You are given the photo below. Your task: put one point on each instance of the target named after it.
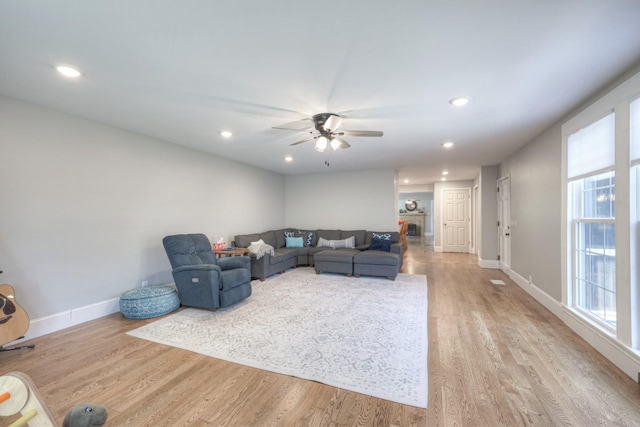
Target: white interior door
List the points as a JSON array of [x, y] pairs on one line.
[[504, 223], [455, 220]]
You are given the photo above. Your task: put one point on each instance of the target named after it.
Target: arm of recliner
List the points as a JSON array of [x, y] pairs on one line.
[[198, 267], [231, 263]]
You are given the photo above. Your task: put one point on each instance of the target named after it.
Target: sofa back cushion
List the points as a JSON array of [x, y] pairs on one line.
[[281, 236], [269, 238], [244, 240], [326, 235], [360, 235]]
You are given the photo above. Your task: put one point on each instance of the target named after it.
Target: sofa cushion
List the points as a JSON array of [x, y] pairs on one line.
[[326, 235], [360, 236], [376, 257], [338, 256], [281, 236], [283, 254], [244, 240], [269, 238]]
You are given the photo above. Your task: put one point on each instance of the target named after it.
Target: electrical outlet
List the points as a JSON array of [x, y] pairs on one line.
[[145, 283], [530, 279]]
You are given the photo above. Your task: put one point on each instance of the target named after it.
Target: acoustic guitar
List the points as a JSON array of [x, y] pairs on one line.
[[14, 321]]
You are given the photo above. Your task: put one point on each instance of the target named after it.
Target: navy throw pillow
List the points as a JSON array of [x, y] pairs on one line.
[[378, 244]]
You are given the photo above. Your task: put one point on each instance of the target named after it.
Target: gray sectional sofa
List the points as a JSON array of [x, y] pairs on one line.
[[374, 262]]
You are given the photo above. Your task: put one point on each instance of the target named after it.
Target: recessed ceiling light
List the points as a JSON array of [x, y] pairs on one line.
[[288, 159], [406, 181], [459, 102], [226, 134], [443, 179], [448, 144], [445, 172], [68, 71]]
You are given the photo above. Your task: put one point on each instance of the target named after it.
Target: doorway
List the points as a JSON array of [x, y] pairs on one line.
[[504, 224], [455, 215]]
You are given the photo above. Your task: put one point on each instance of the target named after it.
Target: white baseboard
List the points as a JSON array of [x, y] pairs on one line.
[[489, 263], [625, 358], [56, 322], [437, 249], [538, 294]]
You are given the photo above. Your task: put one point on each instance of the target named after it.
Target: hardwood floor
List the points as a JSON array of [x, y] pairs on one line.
[[496, 358]]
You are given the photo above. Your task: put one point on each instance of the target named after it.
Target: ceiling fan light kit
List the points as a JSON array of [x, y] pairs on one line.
[[321, 144], [326, 133]]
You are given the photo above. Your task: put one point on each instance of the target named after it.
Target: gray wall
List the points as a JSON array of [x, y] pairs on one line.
[[488, 237], [535, 207], [84, 207], [536, 201], [346, 200]]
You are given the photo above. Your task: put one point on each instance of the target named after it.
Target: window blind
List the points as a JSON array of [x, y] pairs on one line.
[[591, 149]]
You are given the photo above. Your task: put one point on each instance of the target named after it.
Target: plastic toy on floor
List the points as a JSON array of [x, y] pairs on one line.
[[21, 402], [85, 415]]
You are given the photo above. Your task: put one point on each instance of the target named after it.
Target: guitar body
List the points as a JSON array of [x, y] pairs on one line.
[[14, 321]]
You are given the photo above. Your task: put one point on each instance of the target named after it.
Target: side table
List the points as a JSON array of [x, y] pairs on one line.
[[234, 252]]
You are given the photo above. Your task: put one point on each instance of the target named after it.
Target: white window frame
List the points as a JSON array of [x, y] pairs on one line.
[[574, 266], [626, 333]]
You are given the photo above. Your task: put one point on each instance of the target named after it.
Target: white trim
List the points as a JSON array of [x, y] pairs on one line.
[[538, 294], [65, 319], [620, 355], [489, 263], [437, 249], [617, 352]]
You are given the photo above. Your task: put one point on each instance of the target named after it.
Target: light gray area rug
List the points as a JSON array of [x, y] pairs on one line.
[[367, 335]]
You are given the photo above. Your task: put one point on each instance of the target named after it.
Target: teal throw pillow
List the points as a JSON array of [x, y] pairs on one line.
[[294, 242]]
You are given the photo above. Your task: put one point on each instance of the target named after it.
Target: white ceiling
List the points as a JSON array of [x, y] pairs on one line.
[[182, 71]]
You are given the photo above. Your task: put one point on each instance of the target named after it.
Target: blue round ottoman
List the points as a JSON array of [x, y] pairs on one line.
[[150, 301]]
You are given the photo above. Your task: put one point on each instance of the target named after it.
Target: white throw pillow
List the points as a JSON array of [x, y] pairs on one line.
[[323, 243], [348, 243]]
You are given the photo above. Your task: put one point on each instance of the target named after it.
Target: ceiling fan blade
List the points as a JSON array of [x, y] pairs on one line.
[[332, 123], [283, 128], [305, 140], [343, 143], [361, 133], [298, 125]]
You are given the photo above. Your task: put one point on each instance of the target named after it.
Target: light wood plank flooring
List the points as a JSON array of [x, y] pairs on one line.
[[496, 358]]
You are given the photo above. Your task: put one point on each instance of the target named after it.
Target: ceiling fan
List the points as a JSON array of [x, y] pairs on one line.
[[326, 133]]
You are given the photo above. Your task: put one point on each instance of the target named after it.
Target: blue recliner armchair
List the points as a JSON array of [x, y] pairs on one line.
[[203, 280]]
